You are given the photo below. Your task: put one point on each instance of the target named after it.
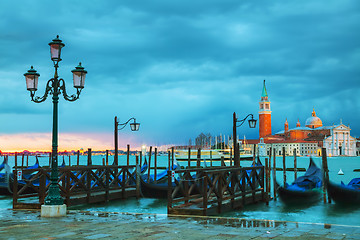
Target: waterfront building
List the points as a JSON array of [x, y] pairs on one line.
[[307, 140]]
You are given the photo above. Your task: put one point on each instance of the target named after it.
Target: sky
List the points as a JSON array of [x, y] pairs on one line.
[[179, 67]]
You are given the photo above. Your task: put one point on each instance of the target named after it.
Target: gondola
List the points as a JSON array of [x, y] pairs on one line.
[[4, 178], [345, 194], [25, 179], [156, 190], [305, 189]]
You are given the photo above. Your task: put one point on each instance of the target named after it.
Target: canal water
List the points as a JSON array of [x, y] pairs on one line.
[[276, 210]]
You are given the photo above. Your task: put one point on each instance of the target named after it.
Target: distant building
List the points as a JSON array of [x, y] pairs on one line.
[[306, 140]]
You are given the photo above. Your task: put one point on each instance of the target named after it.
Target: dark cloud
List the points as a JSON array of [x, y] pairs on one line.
[[182, 67]]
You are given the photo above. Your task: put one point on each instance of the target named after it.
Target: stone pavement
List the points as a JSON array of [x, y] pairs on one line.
[[24, 224]]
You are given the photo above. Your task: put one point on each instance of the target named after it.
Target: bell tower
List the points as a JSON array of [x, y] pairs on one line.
[[264, 114]]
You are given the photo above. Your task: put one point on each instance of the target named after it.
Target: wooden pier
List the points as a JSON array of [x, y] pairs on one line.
[[78, 185], [210, 191]]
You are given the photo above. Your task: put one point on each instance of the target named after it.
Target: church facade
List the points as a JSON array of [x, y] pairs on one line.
[[306, 140]]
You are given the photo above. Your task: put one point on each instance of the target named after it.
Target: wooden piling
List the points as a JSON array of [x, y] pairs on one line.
[[267, 180], [78, 158], [107, 157], [269, 175], [189, 157], [103, 161], [198, 158], [27, 160], [22, 160], [254, 152], [89, 162], [155, 165], [128, 156], [211, 162], [230, 156], [325, 173], [274, 173], [69, 160], [149, 165], [137, 177], [295, 164], [140, 158], [169, 159], [284, 165], [50, 159]]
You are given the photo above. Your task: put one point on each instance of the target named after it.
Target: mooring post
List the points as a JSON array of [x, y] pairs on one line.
[[155, 165], [78, 158], [50, 159], [107, 157], [15, 185], [22, 160], [269, 174], [140, 158], [103, 161], [274, 173], [169, 160], [89, 163], [149, 168], [325, 173], [295, 164], [267, 182], [137, 177], [27, 160], [254, 152], [128, 155], [231, 157], [189, 158], [211, 158], [284, 166], [69, 160], [198, 158]]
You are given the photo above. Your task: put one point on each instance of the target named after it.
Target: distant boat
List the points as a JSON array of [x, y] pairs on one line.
[[208, 154], [340, 172]]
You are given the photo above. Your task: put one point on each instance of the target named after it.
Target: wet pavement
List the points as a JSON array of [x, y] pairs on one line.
[[24, 224]]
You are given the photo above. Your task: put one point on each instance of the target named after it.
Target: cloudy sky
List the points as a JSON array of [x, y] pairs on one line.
[[179, 67]]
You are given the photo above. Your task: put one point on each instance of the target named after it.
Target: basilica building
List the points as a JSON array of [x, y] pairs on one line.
[[303, 140]]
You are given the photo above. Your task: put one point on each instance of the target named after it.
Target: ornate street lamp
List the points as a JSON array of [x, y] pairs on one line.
[[54, 87], [134, 126], [252, 124]]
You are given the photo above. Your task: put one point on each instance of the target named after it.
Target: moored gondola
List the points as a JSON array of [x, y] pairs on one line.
[[345, 194], [305, 189]]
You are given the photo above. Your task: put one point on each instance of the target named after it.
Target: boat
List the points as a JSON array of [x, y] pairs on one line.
[[4, 177], [25, 179], [209, 154], [305, 189], [344, 194], [158, 189]]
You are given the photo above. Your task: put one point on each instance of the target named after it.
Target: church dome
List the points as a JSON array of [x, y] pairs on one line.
[[313, 121]]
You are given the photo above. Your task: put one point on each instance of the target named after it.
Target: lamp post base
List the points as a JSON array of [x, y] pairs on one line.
[[53, 210]]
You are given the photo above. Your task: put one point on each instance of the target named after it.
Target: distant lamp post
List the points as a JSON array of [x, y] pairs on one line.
[[55, 86], [134, 126], [252, 124]]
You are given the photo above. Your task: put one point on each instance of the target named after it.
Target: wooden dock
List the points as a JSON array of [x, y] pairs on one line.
[[210, 191], [78, 185]]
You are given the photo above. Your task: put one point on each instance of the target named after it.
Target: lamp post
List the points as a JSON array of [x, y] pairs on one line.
[[55, 86], [252, 124], [134, 126]]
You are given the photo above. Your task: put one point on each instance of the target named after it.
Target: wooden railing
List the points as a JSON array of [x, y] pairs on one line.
[[78, 184], [215, 188]]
